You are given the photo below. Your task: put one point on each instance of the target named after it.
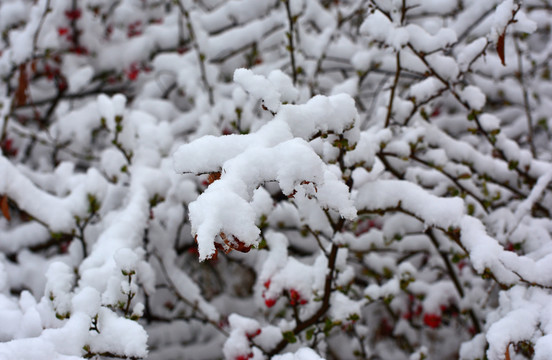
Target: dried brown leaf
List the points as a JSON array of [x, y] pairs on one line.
[[5, 208], [500, 47], [22, 85]]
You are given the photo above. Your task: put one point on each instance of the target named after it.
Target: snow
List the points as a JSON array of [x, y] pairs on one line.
[[378, 26], [383, 194], [12, 12], [164, 150], [260, 87], [473, 96], [342, 308], [86, 301], [423, 41], [119, 335], [30, 349], [301, 354]]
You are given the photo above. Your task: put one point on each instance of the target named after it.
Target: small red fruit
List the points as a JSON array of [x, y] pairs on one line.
[[270, 302], [267, 284], [245, 357], [7, 147], [253, 334], [73, 14], [132, 72], [432, 320], [295, 298]]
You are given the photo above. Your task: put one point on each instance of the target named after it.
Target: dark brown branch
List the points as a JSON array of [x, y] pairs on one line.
[[393, 89], [302, 325], [291, 45]]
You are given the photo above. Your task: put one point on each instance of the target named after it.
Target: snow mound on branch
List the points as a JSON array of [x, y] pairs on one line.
[[278, 151]]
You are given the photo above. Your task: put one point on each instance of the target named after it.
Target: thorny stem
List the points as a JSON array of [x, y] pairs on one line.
[[381, 155], [83, 94], [302, 325], [130, 296], [291, 46], [453, 276], [47, 9], [454, 179], [480, 128], [107, 354], [200, 54], [451, 233], [337, 227], [393, 89], [526, 104], [182, 298]]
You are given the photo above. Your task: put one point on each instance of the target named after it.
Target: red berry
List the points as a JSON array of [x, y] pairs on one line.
[[79, 50], [245, 357], [73, 14], [253, 334], [132, 72], [432, 320], [63, 31], [295, 298], [267, 284], [270, 302], [7, 147]]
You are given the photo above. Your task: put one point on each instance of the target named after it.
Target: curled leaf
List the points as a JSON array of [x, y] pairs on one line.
[[5, 208]]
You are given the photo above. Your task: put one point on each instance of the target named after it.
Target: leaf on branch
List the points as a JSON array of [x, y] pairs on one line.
[[507, 353], [213, 177], [5, 208]]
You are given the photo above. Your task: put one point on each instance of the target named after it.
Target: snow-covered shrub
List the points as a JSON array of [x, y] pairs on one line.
[[286, 179]]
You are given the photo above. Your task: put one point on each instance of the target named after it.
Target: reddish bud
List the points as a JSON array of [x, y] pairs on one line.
[[134, 29], [270, 302], [245, 357], [432, 320], [63, 31], [295, 298], [253, 334], [64, 247], [132, 72], [73, 14], [79, 50], [7, 147], [62, 85]]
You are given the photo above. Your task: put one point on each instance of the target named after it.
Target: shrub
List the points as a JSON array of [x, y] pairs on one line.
[[294, 179]]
